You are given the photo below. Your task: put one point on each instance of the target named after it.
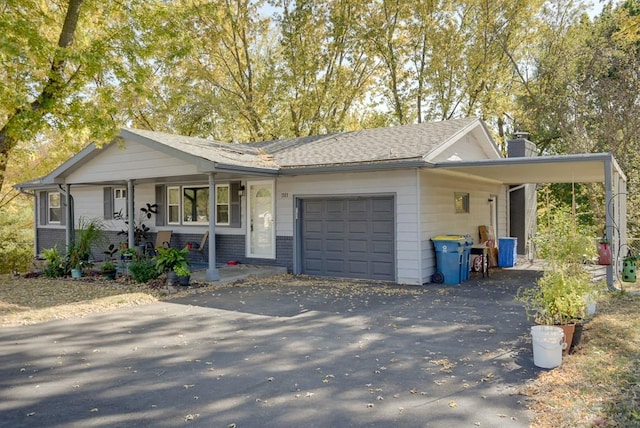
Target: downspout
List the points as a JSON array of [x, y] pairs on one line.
[[212, 272], [69, 229], [131, 237], [421, 278]]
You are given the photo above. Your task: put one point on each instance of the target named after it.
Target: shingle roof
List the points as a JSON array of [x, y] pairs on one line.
[[226, 153], [369, 145], [407, 142]]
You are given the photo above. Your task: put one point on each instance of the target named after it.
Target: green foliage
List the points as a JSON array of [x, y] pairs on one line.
[[182, 271], [169, 259], [108, 266], [143, 270], [560, 295], [89, 232], [16, 238], [56, 264], [562, 240], [140, 229]]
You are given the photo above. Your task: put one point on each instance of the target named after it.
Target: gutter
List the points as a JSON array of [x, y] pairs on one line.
[[354, 167]]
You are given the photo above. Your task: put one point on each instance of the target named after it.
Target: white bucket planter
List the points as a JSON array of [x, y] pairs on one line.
[[548, 343], [591, 305]]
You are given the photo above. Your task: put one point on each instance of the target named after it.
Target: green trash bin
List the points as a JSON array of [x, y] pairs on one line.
[[449, 259]]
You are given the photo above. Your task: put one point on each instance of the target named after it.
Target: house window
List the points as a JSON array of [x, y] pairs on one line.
[[189, 205], [222, 204], [53, 208], [461, 202], [120, 201], [173, 205], [195, 205]]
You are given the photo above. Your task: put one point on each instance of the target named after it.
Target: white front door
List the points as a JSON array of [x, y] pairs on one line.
[[261, 236]]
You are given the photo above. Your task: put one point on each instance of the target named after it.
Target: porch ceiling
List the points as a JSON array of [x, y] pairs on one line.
[[584, 168]]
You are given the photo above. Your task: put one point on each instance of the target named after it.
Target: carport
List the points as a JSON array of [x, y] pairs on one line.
[[577, 168]]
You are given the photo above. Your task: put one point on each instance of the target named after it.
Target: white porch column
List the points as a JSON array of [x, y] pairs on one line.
[[69, 216], [131, 215], [608, 223], [212, 272]]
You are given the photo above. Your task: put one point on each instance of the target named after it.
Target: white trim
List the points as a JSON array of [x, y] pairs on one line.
[[227, 204], [50, 206], [272, 220], [196, 222], [169, 205]]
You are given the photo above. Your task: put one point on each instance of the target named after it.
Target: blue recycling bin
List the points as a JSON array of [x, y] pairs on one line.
[[507, 248], [449, 256]]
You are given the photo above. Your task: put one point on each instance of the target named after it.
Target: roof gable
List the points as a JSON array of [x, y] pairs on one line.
[[407, 142], [407, 145]]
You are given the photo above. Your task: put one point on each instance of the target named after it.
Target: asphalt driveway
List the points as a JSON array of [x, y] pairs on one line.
[[280, 355]]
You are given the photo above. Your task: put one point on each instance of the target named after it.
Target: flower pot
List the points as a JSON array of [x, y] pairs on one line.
[[109, 274], [76, 273], [569, 330], [577, 336], [172, 278], [184, 280], [629, 270]]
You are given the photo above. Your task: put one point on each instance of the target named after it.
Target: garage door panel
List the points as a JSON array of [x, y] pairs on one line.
[[383, 269], [335, 266], [382, 247], [313, 227], [358, 226], [381, 205], [313, 244], [335, 245], [358, 267], [335, 226], [349, 237], [358, 246], [382, 227]]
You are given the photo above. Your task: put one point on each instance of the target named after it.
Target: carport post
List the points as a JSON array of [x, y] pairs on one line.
[[608, 192], [212, 272]]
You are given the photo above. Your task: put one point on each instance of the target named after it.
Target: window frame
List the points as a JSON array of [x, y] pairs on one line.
[[179, 205], [461, 202], [227, 204], [182, 197], [50, 206]]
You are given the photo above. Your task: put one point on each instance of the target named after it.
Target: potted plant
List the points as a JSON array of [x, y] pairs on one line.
[[75, 262], [184, 275], [168, 259], [560, 296], [108, 270], [629, 268]]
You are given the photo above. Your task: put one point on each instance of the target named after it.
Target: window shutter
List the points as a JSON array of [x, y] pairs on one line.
[[160, 200], [42, 208], [234, 204], [108, 203]]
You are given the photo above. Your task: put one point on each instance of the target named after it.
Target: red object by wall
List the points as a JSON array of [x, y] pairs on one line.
[[604, 253]]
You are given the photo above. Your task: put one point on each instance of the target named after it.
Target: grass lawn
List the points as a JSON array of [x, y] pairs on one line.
[[597, 386]]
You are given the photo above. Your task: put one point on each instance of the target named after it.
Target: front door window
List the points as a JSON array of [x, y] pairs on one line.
[[261, 234]]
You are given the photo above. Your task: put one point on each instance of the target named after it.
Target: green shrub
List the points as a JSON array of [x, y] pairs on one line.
[[56, 264], [143, 270], [16, 238], [15, 257]]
